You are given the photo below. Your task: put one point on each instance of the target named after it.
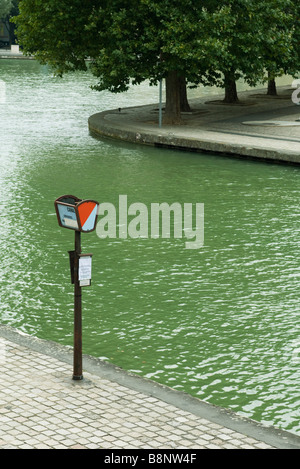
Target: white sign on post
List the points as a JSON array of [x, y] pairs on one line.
[[85, 270], [68, 216]]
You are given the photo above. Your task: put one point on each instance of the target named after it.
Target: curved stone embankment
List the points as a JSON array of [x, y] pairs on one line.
[[259, 128]]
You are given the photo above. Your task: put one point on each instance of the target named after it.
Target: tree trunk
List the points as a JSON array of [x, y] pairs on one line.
[[184, 104], [11, 31], [272, 91], [172, 112], [230, 89]]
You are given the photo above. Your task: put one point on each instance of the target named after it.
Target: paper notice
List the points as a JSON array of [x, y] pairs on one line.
[[85, 268]]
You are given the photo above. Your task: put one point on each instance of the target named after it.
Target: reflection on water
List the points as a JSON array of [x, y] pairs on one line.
[[222, 322]]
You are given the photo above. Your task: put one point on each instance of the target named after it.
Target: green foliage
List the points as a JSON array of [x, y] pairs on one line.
[[151, 38], [55, 32], [130, 41], [254, 34], [5, 8]]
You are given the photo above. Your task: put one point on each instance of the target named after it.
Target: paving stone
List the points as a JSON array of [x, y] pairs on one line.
[[56, 412]]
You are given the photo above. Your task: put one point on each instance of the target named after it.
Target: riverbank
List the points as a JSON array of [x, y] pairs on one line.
[[11, 54], [259, 127], [43, 408]]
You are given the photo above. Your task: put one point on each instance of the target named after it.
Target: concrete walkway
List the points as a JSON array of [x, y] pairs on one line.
[[41, 407], [260, 127], [13, 54]]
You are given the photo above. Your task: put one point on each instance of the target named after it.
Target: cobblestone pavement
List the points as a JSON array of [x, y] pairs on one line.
[[41, 407]]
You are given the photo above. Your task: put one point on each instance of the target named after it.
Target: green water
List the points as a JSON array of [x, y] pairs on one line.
[[220, 322]]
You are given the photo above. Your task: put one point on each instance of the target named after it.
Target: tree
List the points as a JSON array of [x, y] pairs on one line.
[[55, 32], [154, 40], [5, 7], [283, 60], [253, 33], [128, 42], [8, 9], [195, 41]]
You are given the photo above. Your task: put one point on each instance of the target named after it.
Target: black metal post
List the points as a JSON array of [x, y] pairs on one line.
[[77, 364]]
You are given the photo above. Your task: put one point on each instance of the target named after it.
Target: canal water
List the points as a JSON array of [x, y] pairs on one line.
[[220, 322]]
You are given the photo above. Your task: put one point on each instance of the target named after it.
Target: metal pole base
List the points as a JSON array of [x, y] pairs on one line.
[[77, 377]]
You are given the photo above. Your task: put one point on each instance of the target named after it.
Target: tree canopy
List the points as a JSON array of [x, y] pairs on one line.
[[196, 41], [9, 8], [5, 7], [256, 36]]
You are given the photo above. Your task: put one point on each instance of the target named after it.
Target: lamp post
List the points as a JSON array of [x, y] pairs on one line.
[[77, 362], [295, 97], [81, 216], [160, 105]]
